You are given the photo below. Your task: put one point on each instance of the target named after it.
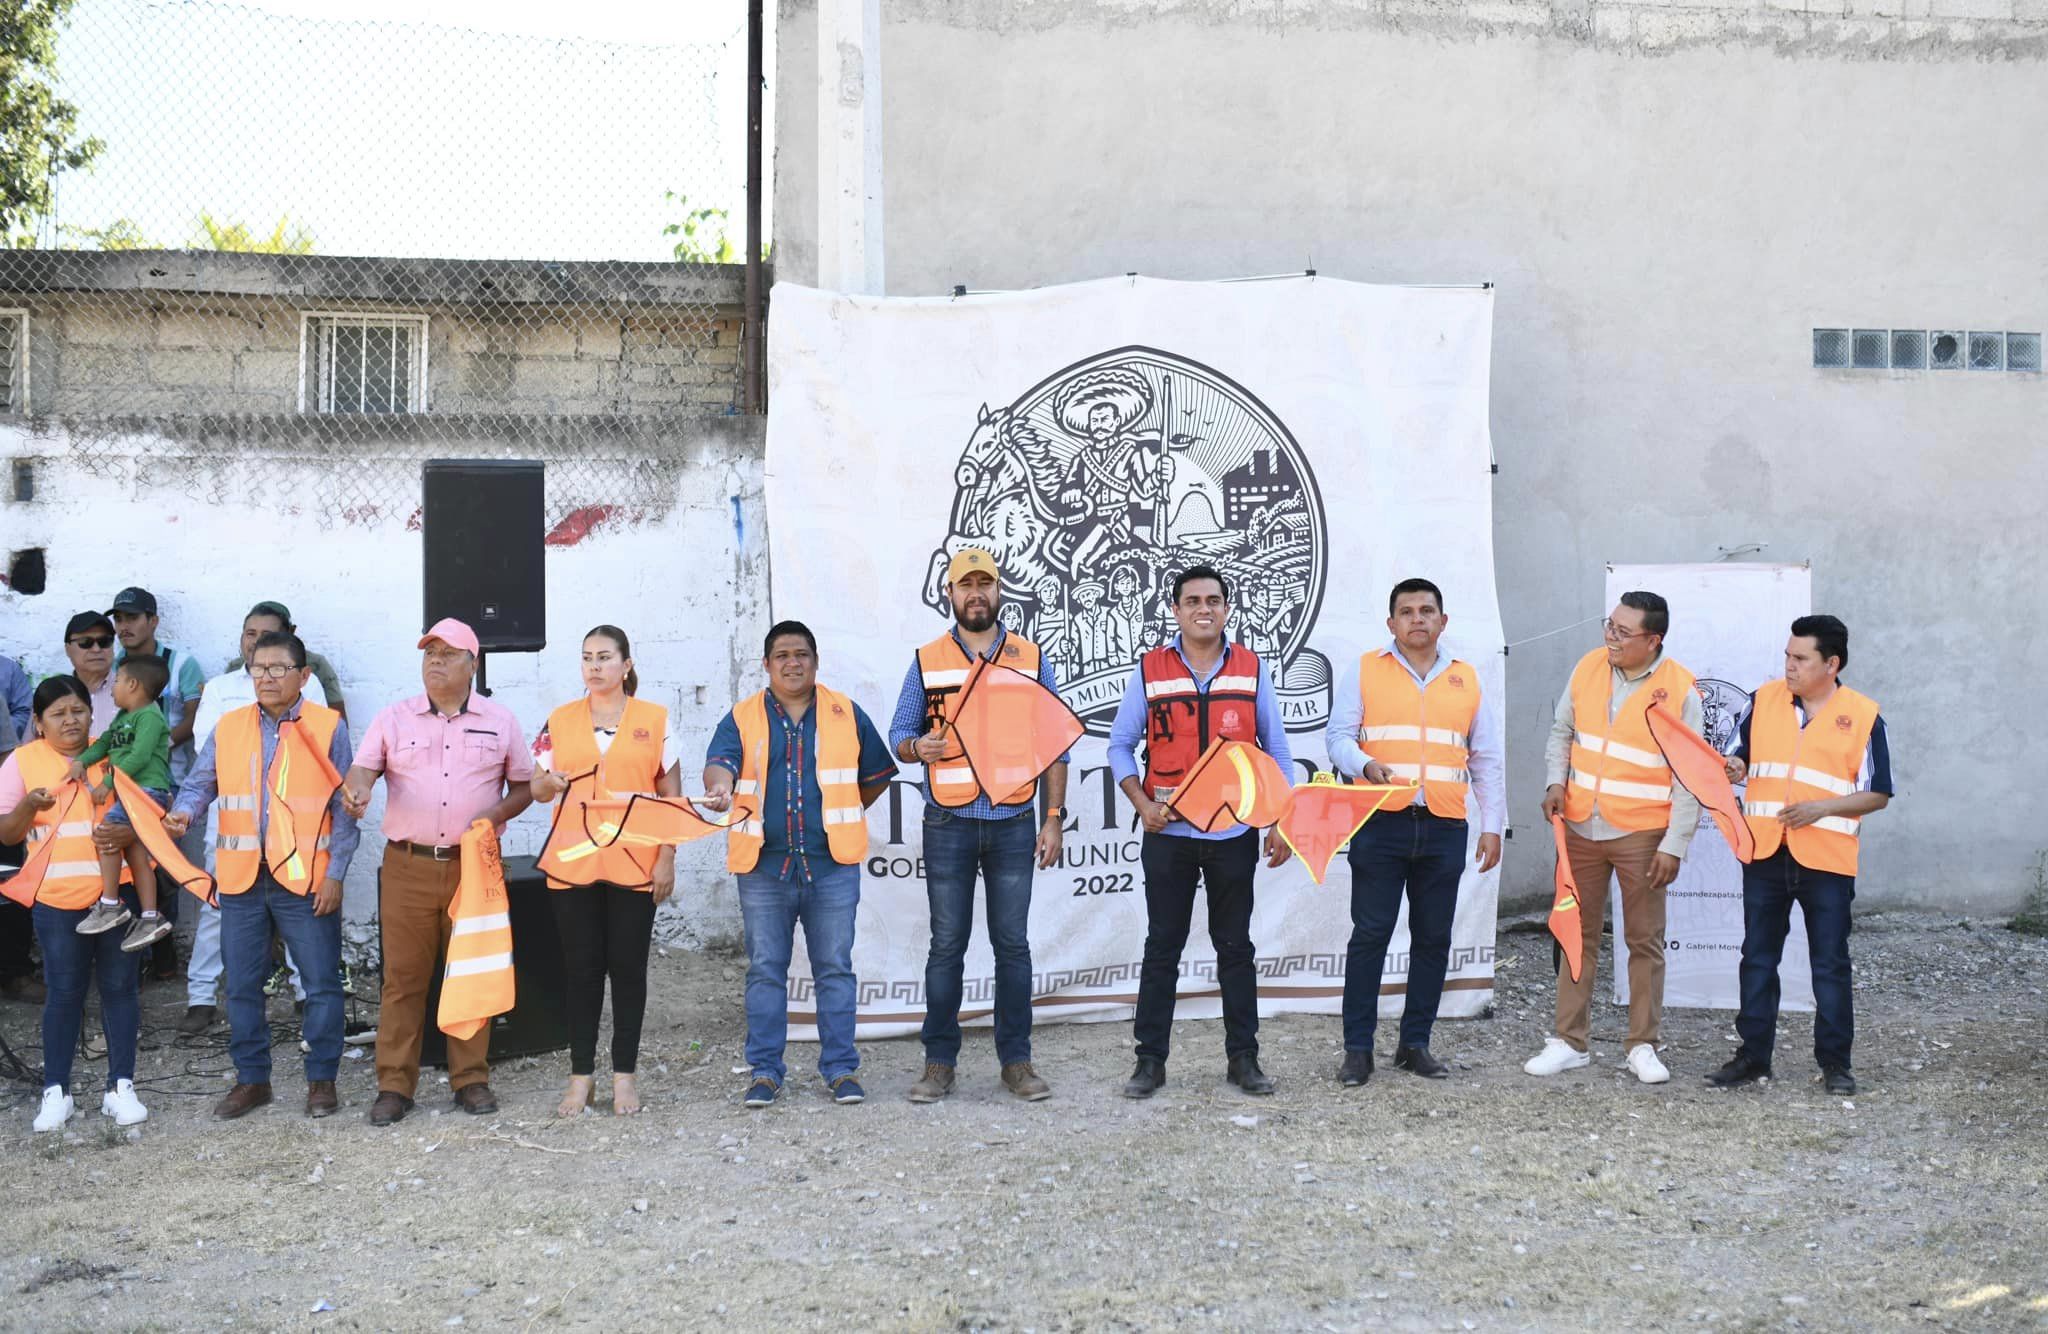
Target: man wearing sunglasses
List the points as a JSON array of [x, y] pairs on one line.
[[1624, 818], [89, 644]]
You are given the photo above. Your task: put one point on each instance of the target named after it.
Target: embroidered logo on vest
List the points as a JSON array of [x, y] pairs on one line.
[[1842, 723]]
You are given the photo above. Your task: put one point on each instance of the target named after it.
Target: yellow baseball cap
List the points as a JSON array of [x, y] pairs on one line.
[[969, 560]]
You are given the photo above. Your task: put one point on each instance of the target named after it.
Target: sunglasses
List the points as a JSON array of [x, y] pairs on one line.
[[93, 641]]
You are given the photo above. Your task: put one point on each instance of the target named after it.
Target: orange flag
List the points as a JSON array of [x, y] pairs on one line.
[[147, 819], [1564, 909], [1012, 729], [28, 881], [636, 821], [1699, 769], [477, 980], [1234, 782], [1324, 816], [308, 804]]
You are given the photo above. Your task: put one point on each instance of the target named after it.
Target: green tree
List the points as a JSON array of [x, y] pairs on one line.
[[703, 233], [38, 129], [287, 238], [120, 234]]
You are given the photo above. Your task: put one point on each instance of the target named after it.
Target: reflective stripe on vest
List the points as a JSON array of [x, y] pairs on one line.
[[477, 982], [238, 768], [1616, 768], [1181, 719], [837, 766], [632, 764], [1791, 764], [944, 665], [1435, 748]]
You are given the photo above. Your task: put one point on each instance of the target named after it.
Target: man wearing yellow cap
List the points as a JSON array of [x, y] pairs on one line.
[[968, 831]]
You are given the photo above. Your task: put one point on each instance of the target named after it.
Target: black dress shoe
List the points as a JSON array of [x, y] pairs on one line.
[[1418, 1061], [1147, 1079], [1357, 1068], [1739, 1070], [1838, 1081], [1245, 1073]]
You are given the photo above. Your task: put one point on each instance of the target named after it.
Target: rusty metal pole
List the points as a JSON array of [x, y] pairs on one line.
[[752, 368]]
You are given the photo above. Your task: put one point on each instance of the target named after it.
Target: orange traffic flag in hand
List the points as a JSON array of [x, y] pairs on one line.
[[1702, 771], [302, 781], [1233, 782], [147, 819], [1012, 730], [1325, 815], [477, 981], [638, 822], [1564, 908], [74, 807]]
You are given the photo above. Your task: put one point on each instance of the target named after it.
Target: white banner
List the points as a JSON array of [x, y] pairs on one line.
[[1729, 624], [1327, 440]]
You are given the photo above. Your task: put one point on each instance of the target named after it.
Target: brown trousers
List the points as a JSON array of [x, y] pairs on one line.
[[413, 907], [1626, 859]]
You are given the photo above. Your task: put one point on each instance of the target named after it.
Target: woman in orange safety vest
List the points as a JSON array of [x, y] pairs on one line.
[[600, 749], [39, 807]]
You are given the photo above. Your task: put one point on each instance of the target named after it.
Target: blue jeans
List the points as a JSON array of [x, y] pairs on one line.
[[246, 920], [955, 848], [69, 962], [1769, 889], [770, 908], [1422, 855]]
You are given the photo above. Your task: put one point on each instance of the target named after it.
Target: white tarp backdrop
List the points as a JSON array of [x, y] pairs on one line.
[[1327, 440], [1729, 624]]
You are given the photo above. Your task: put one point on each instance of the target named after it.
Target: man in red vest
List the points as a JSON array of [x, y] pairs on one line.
[[1183, 695], [1816, 759]]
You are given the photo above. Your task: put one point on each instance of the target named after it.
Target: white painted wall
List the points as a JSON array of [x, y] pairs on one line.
[[688, 585]]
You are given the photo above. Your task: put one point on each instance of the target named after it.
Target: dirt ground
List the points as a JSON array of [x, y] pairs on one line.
[[1490, 1201]]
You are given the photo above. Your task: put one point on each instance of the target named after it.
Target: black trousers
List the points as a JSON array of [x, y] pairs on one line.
[[17, 929], [605, 932], [1174, 867]]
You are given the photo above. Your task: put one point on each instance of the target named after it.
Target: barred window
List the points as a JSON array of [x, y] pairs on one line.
[[364, 363], [13, 361]]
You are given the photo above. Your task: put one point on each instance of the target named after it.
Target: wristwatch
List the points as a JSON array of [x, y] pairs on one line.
[[1057, 814]]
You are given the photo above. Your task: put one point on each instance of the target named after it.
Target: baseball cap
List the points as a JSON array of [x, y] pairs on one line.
[[87, 620], [134, 599], [968, 560], [270, 608], [453, 633]]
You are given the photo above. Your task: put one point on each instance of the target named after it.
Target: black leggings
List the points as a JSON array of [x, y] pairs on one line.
[[605, 932]]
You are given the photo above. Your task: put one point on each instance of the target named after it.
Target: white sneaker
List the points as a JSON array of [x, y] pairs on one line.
[[56, 1110], [122, 1104], [1642, 1058], [1556, 1057]]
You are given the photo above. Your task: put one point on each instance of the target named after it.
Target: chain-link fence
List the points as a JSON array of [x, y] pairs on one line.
[[362, 231]]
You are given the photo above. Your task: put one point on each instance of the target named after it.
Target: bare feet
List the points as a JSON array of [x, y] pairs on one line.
[[625, 1097], [581, 1094]]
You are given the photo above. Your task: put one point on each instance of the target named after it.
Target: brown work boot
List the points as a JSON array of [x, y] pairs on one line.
[[1023, 1081], [389, 1108], [476, 1099], [320, 1098], [936, 1084], [242, 1099]]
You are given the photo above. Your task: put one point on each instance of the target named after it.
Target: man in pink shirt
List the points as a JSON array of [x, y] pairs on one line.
[[448, 757]]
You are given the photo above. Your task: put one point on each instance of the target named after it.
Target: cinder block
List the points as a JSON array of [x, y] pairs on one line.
[[555, 380], [1885, 9], [101, 368], [600, 339], [1973, 9], [1678, 27], [105, 326], [192, 368], [267, 372], [555, 338], [1613, 24], [217, 331], [2031, 11]]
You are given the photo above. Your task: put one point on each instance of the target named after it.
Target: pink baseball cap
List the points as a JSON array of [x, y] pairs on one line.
[[453, 633]]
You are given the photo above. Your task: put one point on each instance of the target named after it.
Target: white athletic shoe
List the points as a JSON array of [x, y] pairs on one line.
[[56, 1109], [1556, 1057], [121, 1103], [1642, 1058]]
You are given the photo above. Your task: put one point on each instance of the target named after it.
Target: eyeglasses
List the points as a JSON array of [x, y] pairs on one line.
[[273, 672], [1616, 632], [93, 641]]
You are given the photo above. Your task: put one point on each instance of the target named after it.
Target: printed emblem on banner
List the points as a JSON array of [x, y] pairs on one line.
[[1722, 702], [1097, 486], [1842, 723]]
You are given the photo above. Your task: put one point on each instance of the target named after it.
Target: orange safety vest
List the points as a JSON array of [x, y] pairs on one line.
[[1789, 763], [71, 877], [1616, 767], [632, 764], [944, 666], [477, 980], [1181, 719], [300, 772], [1422, 734], [837, 768]]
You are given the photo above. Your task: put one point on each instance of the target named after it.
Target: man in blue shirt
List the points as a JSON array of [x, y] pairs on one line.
[[968, 831], [796, 869], [1181, 697]]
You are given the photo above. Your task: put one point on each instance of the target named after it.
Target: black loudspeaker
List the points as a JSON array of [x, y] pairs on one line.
[[482, 524], [539, 1018]]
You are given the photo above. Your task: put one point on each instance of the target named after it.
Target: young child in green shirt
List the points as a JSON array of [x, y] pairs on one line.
[[138, 743]]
